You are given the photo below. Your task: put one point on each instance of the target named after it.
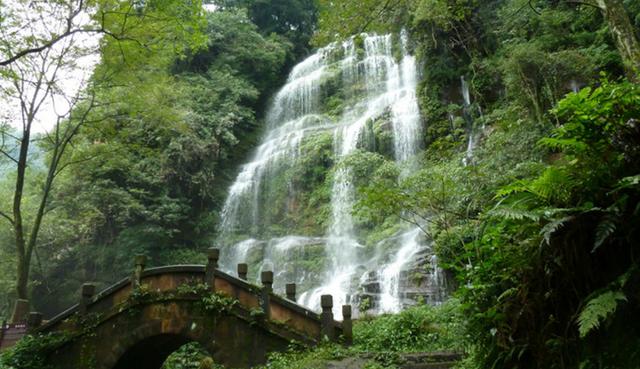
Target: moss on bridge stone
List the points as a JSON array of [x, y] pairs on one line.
[[151, 325]]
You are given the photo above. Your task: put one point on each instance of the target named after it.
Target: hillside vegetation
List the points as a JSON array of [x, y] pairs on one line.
[[531, 189]]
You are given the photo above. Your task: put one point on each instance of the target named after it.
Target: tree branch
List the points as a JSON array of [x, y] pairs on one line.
[[7, 217], [6, 154], [387, 5], [533, 8], [47, 45], [70, 31]]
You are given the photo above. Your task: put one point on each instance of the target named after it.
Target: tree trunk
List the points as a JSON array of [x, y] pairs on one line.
[[624, 35], [22, 280], [18, 227]]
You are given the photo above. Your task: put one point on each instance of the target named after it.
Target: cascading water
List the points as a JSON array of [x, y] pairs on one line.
[[390, 300], [374, 85], [466, 109]]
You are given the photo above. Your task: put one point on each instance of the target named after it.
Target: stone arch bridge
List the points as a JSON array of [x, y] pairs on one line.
[[139, 321]]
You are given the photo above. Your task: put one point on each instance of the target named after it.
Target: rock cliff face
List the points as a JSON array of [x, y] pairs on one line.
[[346, 113]]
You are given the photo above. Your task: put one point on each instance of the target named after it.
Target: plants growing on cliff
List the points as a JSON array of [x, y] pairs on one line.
[[433, 198], [546, 235]]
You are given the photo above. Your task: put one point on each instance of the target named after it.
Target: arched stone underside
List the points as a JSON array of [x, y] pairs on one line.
[[145, 337], [151, 353], [113, 330]]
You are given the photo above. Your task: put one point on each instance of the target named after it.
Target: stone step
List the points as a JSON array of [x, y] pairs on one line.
[[437, 365], [426, 360]]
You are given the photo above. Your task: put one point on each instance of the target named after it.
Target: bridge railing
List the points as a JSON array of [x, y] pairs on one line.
[[275, 308], [10, 333]]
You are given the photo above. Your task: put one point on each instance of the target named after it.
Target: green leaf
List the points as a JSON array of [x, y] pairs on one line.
[[604, 229], [514, 213], [597, 310], [550, 228]]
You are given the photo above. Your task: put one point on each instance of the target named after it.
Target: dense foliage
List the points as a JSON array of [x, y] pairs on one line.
[[31, 352], [379, 341], [149, 175], [530, 191], [539, 222]]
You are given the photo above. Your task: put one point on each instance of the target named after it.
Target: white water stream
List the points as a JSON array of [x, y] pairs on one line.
[[389, 87]]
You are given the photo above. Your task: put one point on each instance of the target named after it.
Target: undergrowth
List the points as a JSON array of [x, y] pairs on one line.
[[380, 341]]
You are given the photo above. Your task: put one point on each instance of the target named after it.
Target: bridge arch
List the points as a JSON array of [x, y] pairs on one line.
[[151, 352], [147, 343], [128, 326]]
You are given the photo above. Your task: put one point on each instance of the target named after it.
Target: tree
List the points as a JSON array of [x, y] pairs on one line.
[[32, 27], [31, 83], [344, 18], [294, 19], [174, 132], [40, 47], [624, 34]]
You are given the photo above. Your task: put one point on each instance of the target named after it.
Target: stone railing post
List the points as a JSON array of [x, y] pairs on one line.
[[267, 287], [290, 289], [88, 290], [213, 255], [243, 270], [347, 325], [34, 321], [327, 328], [20, 311], [140, 262]]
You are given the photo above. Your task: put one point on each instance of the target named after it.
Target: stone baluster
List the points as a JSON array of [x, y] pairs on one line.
[[347, 325], [140, 262], [243, 269], [267, 287], [34, 321], [88, 290], [290, 289], [213, 255], [327, 328]]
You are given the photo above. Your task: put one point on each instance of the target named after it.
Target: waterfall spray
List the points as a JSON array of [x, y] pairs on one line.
[[388, 88]]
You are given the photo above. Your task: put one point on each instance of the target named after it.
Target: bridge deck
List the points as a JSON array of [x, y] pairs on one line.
[[169, 278], [260, 320]]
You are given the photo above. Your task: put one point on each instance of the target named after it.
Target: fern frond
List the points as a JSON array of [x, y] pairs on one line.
[[555, 143], [552, 227], [627, 182], [604, 230], [597, 310], [553, 184], [511, 213], [515, 187]]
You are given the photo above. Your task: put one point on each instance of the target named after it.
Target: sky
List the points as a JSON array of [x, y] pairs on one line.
[[25, 21]]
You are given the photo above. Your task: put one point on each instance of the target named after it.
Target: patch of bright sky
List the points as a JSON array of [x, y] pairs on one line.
[[45, 22]]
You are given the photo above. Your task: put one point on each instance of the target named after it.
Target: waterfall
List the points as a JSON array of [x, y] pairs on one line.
[[469, 118], [390, 300], [377, 83]]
